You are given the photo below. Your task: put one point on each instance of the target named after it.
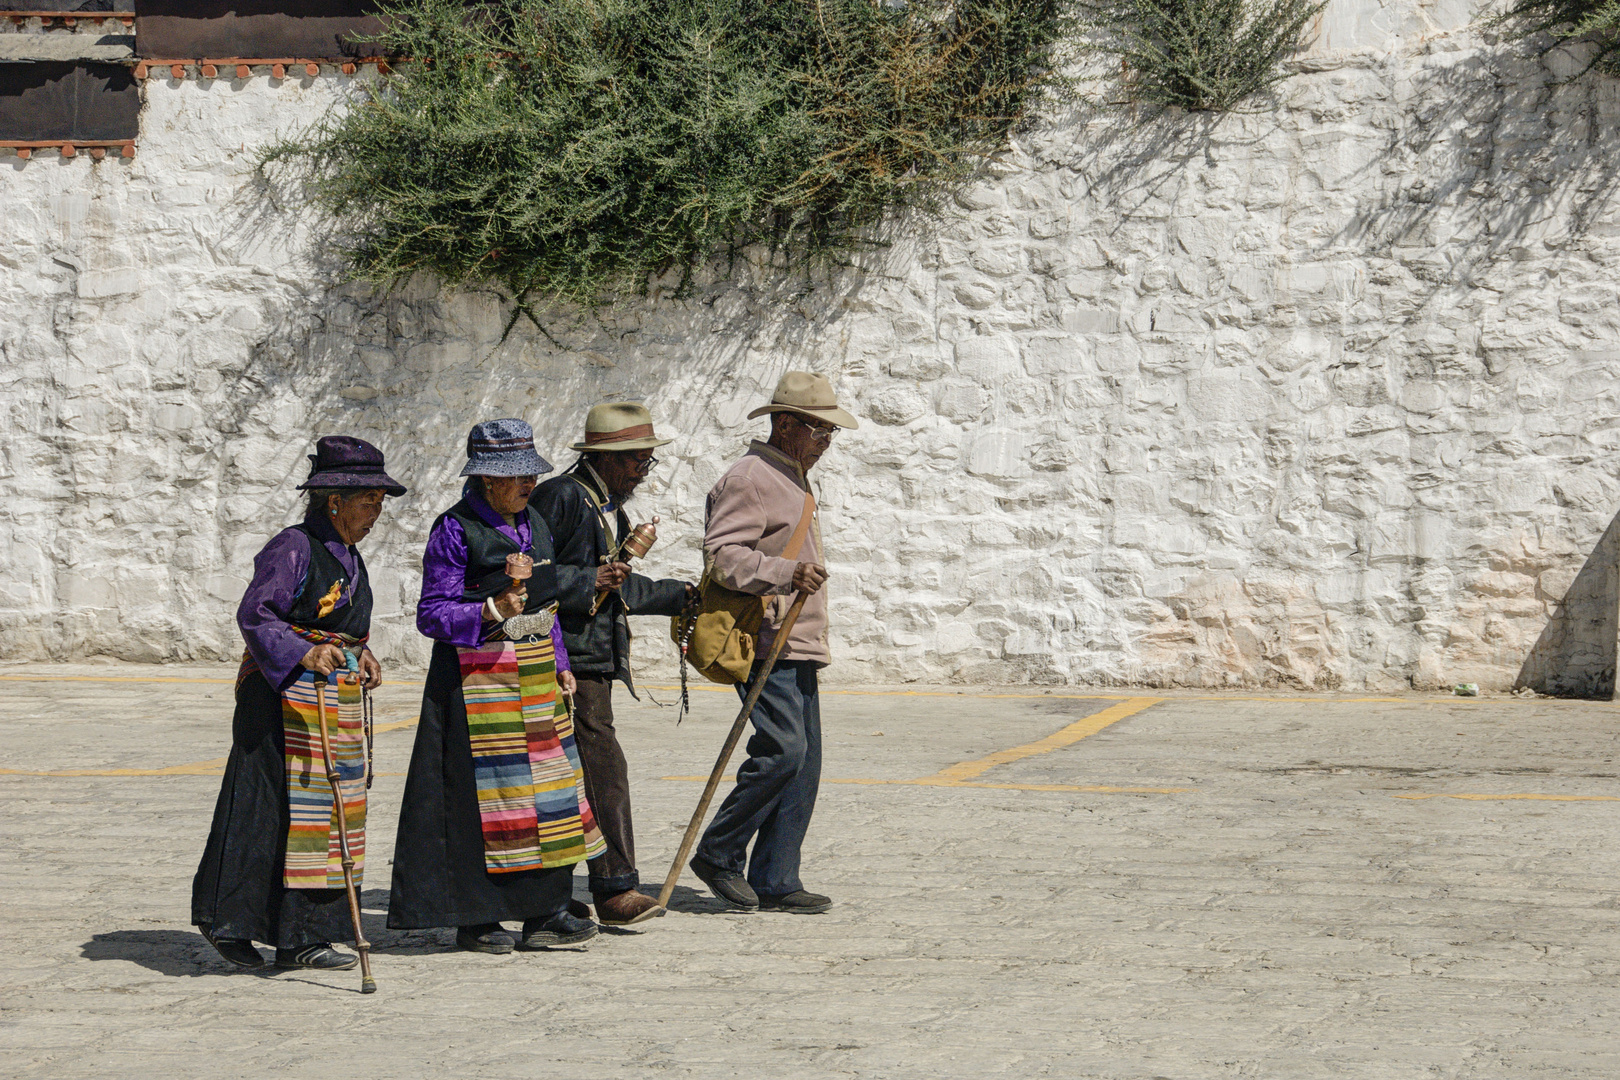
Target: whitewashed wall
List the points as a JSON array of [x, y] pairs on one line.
[[1317, 396]]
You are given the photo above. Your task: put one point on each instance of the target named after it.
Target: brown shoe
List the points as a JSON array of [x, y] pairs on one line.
[[579, 910], [627, 909]]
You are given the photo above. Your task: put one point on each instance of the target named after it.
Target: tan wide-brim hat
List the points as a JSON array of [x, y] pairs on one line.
[[808, 395], [619, 425]]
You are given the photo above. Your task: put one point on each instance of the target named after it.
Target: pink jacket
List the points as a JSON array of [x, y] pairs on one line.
[[751, 515]]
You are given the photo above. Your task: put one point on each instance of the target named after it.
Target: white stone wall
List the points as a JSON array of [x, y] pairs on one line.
[[1317, 396]]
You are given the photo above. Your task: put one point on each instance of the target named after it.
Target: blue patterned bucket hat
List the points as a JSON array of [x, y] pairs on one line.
[[503, 448]]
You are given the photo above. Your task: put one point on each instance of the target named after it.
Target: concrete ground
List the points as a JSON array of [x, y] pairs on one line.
[[1028, 884]]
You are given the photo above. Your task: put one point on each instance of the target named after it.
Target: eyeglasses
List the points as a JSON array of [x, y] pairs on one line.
[[643, 465], [823, 432]]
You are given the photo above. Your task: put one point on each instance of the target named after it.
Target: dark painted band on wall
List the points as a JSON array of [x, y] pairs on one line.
[[67, 5], [68, 101], [313, 29]]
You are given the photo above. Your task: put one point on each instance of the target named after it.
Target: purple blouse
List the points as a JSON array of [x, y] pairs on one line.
[[278, 579], [441, 614]]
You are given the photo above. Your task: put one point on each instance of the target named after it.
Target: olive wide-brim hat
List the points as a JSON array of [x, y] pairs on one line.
[[619, 425], [343, 461], [808, 395]]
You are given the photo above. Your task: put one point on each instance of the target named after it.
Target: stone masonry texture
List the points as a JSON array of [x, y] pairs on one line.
[[1319, 395]]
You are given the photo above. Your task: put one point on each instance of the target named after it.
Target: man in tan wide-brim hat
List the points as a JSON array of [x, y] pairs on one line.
[[762, 536], [585, 509]]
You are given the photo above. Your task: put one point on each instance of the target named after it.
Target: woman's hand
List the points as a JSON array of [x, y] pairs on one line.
[[510, 601], [370, 670], [323, 659], [566, 683]]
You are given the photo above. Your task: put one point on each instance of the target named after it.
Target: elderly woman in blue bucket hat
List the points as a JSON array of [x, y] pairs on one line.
[[494, 814], [271, 870]]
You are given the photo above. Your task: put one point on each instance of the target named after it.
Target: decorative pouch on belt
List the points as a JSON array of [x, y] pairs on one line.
[[719, 633]]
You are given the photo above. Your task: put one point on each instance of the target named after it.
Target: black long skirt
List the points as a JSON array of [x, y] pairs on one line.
[[238, 889], [439, 875]]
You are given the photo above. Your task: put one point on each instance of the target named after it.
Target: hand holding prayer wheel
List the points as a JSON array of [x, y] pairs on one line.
[[635, 546], [510, 601]]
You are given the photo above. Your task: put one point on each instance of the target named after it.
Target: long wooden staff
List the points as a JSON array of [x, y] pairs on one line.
[[368, 985], [731, 744]]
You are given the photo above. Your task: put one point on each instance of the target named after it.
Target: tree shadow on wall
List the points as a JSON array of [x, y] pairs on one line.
[[1134, 158], [1575, 654], [1499, 152]]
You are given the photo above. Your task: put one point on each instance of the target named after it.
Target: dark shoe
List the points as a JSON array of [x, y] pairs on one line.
[[485, 938], [562, 929], [237, 950], [732, 888], [627, 908], [320, 956], [796, 903], [579, 910]]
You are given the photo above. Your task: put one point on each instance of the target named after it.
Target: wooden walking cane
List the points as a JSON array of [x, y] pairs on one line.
[[368, 985], [731, 744]]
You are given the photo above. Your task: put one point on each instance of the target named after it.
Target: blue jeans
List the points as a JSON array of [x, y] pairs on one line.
[[776, 786]]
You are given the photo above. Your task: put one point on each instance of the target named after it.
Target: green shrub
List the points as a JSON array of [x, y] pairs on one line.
[[567, 149], [1198, 54]]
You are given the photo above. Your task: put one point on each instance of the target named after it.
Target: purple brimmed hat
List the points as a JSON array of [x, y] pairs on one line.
[[342, 461], [503, 448]]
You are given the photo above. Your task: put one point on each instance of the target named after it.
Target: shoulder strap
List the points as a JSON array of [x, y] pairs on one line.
[[601, 516], [796, 541]]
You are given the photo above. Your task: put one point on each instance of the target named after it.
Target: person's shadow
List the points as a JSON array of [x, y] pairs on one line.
[[176, 953], [688, 901]]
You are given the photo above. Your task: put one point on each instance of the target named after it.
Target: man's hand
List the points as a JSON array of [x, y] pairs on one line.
[[323, 659], [566, 683], [510, 600], [370, 670], [808, 577], [612, 575]]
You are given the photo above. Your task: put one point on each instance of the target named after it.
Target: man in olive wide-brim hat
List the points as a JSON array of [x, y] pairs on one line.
[[762, 536], [585, 509]]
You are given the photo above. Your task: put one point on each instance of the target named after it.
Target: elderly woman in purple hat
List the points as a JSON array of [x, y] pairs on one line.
[[495, 814], [271, 870]]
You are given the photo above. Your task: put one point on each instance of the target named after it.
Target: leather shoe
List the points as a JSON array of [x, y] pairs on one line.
[[627, 908], [579, 910], [320, 956], [561, 930], [796, 903], [237, 950], [485, 938], [731, 887]]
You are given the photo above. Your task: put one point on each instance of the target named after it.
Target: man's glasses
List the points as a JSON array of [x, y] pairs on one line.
[[643, 465], [821, 432]]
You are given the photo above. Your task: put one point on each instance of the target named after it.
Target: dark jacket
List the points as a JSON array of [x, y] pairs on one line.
[[597, 644]]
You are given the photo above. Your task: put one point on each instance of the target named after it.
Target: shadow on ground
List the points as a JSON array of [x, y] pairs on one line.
[[168, 952]]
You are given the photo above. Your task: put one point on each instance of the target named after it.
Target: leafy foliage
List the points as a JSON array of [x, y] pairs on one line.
[[1199, 54], [568, 149], [1570, 22]]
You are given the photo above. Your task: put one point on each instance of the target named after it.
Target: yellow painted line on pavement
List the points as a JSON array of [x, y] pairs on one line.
[[1080, 729], [111, 678], [931, 781], [212, 767], [1481, 797]]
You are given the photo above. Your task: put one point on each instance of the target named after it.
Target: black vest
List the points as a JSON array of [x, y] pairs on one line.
[[487, 549], [353, 618]]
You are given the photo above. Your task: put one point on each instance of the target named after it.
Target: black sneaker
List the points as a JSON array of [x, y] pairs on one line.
[[485, 938], [238, 951], [796, 903], [731, 887], [559, 931], [320, 956]]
